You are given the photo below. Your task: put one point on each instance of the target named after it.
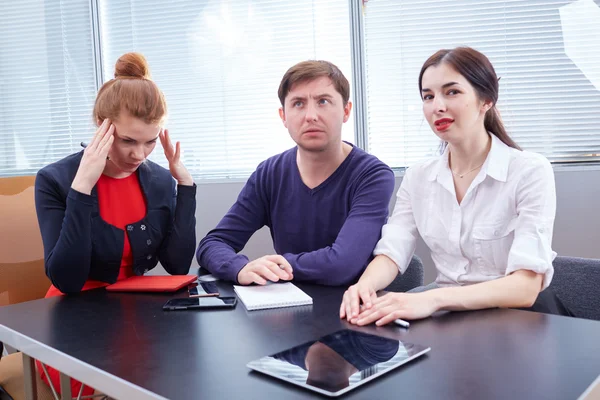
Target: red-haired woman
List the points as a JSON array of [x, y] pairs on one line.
[[107, 213]]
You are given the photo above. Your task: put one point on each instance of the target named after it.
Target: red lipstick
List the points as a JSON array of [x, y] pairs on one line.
[[443, 124]]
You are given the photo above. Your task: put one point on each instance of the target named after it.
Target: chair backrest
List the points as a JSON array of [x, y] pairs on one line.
[[577, 283], [21, 251], [410, 279]]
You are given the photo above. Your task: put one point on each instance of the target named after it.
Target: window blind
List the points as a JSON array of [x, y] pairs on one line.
[[547, 103], [47, 82], [219, 64]]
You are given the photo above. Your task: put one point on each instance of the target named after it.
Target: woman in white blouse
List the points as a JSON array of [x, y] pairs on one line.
[[484, 208]]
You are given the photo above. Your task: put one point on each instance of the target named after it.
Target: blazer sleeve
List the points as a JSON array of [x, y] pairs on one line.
[[65, 225], [177, 250]]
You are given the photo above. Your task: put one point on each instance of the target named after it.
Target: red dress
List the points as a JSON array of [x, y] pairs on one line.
[[121, 202]]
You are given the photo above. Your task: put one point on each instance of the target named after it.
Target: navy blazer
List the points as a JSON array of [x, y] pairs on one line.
[[79, 245]]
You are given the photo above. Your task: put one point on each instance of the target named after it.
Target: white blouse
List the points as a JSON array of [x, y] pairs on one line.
[[503, 224]]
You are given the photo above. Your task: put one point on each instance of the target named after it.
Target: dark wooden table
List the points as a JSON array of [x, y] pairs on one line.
[[126, 346]]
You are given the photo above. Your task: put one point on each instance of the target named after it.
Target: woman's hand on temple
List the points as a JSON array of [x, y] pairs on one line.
[[94, 158], [173, 155]]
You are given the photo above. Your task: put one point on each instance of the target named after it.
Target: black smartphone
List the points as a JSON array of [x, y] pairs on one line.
[[190, 303]]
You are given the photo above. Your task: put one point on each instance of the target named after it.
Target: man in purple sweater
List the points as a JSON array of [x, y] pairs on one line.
[[324, 200]]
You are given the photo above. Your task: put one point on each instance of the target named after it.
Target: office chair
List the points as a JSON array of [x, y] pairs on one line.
[[410, 279], [21, 248], [21, 268], [576, 282]]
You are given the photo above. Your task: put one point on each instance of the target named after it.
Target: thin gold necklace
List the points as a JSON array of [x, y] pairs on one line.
[[466, 173]]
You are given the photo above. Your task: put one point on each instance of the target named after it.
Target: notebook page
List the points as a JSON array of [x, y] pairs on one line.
[[272, 296]]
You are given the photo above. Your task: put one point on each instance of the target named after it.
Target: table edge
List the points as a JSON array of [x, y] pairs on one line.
[[97, 378], [595, 385]]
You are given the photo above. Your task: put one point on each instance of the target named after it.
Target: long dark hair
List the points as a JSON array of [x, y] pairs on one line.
[[479, 72]]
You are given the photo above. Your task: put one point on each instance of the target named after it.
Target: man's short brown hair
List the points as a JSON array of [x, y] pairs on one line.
[[310, 70]]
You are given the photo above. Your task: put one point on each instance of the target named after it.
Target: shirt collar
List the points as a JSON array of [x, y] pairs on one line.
[[498, 160], [441, 163], [495, 165]]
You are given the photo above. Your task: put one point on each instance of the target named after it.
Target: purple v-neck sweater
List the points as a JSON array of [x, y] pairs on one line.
[[327, 233]]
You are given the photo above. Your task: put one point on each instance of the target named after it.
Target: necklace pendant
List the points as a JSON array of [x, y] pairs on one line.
[[461, 176]]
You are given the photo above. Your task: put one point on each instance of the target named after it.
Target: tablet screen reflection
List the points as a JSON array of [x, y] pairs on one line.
[[337, 361]]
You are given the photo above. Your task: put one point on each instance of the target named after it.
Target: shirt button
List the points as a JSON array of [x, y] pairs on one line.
[[129, 228], [149, 257], [496, 233], [148, 242], [143, 227], [541, 230]]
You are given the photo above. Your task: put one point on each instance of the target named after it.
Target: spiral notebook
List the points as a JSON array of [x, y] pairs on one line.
[[274, 295]]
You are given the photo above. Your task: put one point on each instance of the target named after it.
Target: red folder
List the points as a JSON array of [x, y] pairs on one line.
[[154, 283]]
